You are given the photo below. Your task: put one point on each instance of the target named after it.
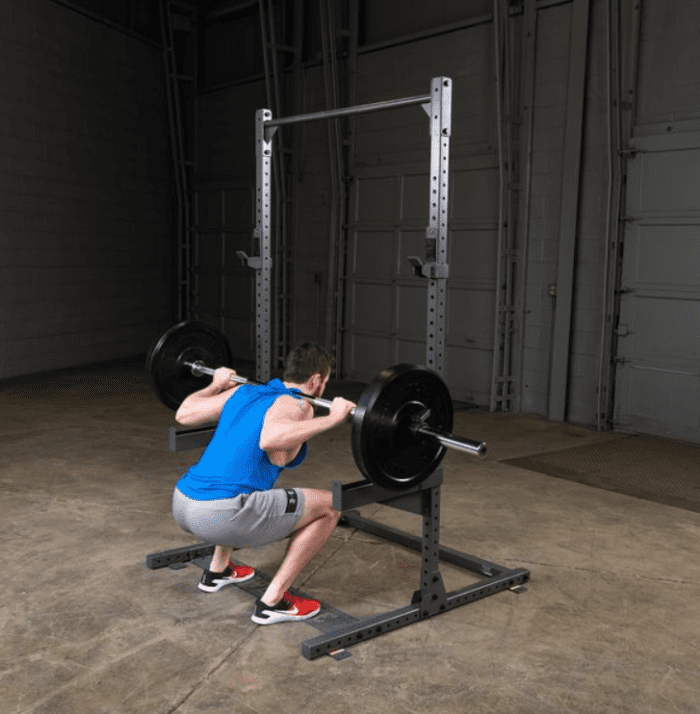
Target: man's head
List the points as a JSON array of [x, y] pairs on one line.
[[306, 360]]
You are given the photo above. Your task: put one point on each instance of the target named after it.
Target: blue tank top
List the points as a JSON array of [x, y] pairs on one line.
[[233, 462]]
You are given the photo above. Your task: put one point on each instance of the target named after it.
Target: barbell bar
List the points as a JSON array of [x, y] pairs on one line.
[[459, 443], [199, 368], [401, 426]]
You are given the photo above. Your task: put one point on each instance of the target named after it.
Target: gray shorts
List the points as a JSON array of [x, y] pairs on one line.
[[247, 520]]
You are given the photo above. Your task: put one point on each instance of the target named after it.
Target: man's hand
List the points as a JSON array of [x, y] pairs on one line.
[[205, 405], [340, 408], [222, 379]]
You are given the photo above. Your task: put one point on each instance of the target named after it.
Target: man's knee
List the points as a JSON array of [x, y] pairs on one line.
[[318, 504]]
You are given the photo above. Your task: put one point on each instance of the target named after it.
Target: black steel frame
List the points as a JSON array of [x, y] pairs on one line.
[[431, 599], [340, 630]]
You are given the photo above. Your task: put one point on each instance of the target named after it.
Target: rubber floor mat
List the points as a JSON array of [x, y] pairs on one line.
[[646, 467]]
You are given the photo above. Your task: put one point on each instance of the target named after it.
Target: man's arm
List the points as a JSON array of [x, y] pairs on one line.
[[290, 422], [206, 405]]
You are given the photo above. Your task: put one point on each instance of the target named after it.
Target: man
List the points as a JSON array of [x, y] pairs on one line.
[[228, 497]]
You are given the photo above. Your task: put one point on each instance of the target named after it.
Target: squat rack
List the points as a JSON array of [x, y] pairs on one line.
[[338, 629], [432, 266]]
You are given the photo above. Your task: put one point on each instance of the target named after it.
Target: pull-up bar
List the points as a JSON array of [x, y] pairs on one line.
[[358, 109]]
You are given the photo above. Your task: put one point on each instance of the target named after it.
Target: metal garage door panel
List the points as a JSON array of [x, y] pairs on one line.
[[238, 210], [662, 329], [414, 198], [667, 255], [669, 181], [374, 255], [411, 351], [465, 318], [373, 308], [208, 209], [411, 243], [654, 401], [657, 387], [370, 354], [474, 195], [473, 258], [376, 200], [466, 368], [371, 273], [412, 307]]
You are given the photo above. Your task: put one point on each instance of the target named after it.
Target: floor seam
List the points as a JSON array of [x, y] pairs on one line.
[[222, 661]]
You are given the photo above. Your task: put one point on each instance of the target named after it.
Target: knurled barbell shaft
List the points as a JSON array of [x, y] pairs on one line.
[[450, 441], [198, 368]]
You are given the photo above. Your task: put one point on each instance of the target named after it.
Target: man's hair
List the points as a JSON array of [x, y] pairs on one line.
[[305, 360]]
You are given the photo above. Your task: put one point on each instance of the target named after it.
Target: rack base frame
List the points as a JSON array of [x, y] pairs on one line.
[[339, 630]]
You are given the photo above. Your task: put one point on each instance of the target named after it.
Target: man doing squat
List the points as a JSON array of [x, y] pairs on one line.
[[227, 498]]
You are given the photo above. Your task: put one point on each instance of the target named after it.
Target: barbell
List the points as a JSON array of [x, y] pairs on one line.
[[401, 426]]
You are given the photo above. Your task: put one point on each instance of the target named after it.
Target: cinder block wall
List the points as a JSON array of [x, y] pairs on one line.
[[86, 208]]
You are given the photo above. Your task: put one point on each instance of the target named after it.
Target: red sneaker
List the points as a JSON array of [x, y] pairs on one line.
[[241, 573], [211, 582], [305, 606], [290, 608]]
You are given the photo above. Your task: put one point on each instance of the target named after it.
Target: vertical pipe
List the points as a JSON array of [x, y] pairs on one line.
[[298, 83], [195, 306], [222, 291], [193, 231], [558, 393], [265, 45], [181, 168], [528, 99], [353, 22], [183, 273], [621, 85], [330, 74], [511, 258], [499, 336], [339, 126], [604, 353], [281, 197]]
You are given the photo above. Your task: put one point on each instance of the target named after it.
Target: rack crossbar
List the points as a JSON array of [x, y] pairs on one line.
[[346, 111]]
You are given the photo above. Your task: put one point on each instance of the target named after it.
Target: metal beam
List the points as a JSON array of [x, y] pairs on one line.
[[347, 111], [575, 106]]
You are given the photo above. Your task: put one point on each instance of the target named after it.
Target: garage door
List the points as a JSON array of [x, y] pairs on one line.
[[657, 387]]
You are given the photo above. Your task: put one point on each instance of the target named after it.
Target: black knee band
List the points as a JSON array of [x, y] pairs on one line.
[[292, 500]]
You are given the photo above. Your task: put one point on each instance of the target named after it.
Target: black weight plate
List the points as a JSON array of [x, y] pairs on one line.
[[385, 449], [185, 342]]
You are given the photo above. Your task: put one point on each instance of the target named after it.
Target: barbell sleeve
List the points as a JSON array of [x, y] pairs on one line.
[[459, 443]]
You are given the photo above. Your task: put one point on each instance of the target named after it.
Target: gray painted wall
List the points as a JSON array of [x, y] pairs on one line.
[[85, 212]]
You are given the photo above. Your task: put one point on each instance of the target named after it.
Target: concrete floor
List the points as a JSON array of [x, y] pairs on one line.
[[610, 621]]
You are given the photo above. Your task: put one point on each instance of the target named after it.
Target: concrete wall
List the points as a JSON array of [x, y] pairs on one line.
[[86, 238]]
